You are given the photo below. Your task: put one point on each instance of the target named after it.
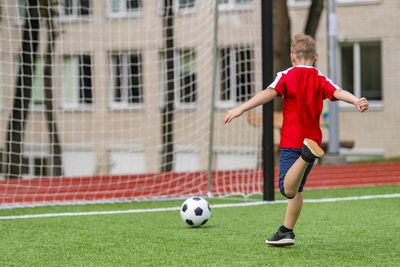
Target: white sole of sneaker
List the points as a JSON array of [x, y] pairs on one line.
[[281, 243], [314, 148]]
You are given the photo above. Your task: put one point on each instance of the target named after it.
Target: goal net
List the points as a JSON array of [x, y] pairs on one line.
[[118, 100]]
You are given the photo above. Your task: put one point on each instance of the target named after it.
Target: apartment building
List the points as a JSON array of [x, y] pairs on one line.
[[109, 82], [368, 40], [109, 79]]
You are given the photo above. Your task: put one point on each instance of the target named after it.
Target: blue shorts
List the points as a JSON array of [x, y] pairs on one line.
[[287, 158]]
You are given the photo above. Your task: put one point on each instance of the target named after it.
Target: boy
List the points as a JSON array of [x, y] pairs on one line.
[[303, 89]]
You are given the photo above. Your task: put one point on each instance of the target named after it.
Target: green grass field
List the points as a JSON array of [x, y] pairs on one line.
[[346, 233]]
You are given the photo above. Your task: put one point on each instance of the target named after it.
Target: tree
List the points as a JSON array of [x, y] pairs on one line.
[[35, 11], [49, 13], [282, 30], [282, 34], [23, 90], [168, 109], [314, 14], [281, 41]]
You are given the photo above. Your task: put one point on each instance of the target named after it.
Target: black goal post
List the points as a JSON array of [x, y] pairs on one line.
[[268, 109]]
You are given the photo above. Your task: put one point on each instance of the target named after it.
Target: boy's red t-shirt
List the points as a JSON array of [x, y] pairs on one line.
[[303, 89]]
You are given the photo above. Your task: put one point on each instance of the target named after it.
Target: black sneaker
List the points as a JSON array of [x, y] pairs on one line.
[[280, 239], [311, 150]]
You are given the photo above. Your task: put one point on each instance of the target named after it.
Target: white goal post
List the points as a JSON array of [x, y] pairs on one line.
[[111, 100]]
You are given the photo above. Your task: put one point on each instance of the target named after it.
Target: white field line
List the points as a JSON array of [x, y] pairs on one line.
[[256, 203]]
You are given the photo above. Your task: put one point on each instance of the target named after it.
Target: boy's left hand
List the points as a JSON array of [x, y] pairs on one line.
[[233, 113], [362, 104]]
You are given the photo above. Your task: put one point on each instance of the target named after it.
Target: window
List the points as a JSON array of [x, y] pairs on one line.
[[235, 4], [35, 160], [38, 86], [306, 3], [124, 8], [76, 9], [21, 9], [35, 166], [179, 7], [184, 6], [77, 82], [187, 77], [361, 69], [350, 2], [21, 12], [299, 3], [126, 80], [236, 76], [184, 77]]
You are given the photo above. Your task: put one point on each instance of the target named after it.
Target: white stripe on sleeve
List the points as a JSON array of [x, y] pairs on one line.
[[278, 77]]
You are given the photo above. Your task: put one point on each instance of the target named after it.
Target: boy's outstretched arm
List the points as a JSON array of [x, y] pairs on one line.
[[360, 103], [260, 98]]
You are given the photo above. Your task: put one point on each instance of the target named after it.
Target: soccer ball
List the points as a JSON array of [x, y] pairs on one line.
[[195, 211]]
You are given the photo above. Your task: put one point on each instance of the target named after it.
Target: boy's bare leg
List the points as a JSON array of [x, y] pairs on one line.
[[294, 176], [285, 235], [293, 210]]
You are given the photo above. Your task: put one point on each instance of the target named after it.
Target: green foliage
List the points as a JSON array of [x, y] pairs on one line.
[[348, 233]]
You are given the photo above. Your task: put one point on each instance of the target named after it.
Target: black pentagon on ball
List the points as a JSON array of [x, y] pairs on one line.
[[198, 211], [204, 221], [209, 207], [189, 222], [197, 198], [184, 208]]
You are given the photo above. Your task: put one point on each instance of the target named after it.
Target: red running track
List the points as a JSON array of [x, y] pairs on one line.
[[172, 185]]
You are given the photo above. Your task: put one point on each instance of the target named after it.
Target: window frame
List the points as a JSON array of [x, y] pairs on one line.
[[37, 81], [357, 2], [177, 79], [125, 104], [307, 3], [357, 75], [74, 16], [31, 153], [179, 54], [233, 6], [227, 104], [76, 105], [176, 9], [184, 10], [19, 17], [123, 12]]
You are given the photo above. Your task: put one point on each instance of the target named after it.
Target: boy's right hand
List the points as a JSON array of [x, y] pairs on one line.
[[362, 104], [233, 113]]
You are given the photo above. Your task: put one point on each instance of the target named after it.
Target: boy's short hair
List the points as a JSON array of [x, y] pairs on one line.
[[303, 46]]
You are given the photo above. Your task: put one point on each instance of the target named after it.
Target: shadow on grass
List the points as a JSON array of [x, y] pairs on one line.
[[200, 228]]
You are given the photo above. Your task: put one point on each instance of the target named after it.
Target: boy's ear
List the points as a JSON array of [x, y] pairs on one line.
[[292, 57], [316, 57]]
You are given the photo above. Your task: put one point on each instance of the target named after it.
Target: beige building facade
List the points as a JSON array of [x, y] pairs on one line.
[[109, 82], [367, 32]]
